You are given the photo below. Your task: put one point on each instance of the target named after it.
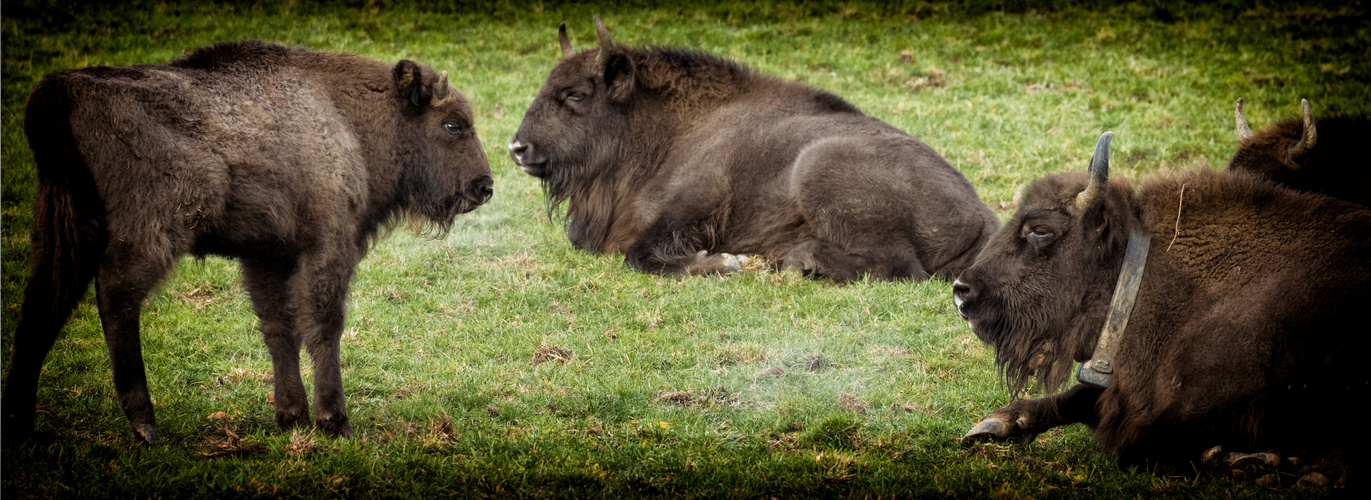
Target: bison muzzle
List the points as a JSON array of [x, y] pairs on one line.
[[1247, 331], [288, 160], [678, 159]]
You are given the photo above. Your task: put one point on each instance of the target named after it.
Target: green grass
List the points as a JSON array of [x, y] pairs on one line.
[[667, 392]]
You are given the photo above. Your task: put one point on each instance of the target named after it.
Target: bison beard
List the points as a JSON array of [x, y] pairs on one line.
[[289, 160], [1247, 331], [679, 159]]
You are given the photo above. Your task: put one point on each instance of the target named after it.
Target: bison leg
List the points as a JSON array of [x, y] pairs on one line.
[[125, 277], [56, 284], [670, 246], [324, 286], [267, 285], [1023, 419], [823, 258]]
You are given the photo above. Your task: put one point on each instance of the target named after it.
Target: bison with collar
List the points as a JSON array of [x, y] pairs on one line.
[[679, 159], [1247, 332]]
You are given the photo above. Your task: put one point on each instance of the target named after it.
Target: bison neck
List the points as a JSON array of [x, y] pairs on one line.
[[601, 218]]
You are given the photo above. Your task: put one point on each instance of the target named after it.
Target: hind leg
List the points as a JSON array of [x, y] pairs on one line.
[[267, 285], [53, 290], [846, 263], [856, 204], [125, 278]]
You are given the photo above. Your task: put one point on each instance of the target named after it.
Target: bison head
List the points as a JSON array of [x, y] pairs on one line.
[[575, 123], [1039, 289], [1279, 151], [445, 168]]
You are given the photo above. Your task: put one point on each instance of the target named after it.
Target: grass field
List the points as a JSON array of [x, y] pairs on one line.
[[754, 385]]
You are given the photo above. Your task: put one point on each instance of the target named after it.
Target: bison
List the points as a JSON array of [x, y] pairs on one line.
[[1246, 330], [1326, 155], [288, 160], [678, 159]]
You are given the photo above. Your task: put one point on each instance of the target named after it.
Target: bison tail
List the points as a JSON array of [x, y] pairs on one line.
[[67, 239]]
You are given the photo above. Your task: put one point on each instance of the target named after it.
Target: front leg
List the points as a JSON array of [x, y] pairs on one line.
[[1023, 419], [322, 287], [674, 244]]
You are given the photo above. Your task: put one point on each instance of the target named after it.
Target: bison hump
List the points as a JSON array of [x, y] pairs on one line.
[[225, 54]]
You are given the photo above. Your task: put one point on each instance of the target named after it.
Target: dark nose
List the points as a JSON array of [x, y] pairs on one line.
[[519, 151], [962, 292], [479, 190]]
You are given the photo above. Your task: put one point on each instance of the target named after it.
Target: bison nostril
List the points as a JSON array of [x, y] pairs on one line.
[[480, 189], [962, 291], [518, 149]]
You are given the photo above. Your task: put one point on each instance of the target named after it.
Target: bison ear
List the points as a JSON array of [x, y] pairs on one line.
[[619, 77], [409, 84]]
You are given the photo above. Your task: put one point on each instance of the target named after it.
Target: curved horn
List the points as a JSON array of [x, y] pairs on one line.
[[605, 42], [1310, 139], [440, 90], [567, 49], [1099, 172], [1240, 126]]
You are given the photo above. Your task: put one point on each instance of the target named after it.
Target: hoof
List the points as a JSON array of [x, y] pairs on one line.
[[335, 428], [145, 433], [731, 263], [1313, 480], [986, 430], [289, 421]]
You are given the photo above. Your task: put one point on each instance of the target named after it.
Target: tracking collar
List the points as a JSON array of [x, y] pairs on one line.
[[1098, 371]]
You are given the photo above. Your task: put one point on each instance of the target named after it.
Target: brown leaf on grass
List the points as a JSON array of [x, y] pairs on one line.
[[226, 442], [547, 352]]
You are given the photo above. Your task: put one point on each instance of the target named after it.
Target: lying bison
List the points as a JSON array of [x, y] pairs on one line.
[[286, 159], [1246, 330], [678, 158], [1326, 156]]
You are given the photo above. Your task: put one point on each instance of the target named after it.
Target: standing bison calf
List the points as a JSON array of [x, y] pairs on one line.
[[675, 157], [286, 159], [1247, 327]]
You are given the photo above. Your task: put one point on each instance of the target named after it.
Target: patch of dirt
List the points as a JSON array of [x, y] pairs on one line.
[[815, 362], [851, 403], [546, 352], [301, 444], [682, 398], [774, 371]]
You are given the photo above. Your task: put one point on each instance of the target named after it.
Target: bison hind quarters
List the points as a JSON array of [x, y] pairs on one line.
[[888, 261]]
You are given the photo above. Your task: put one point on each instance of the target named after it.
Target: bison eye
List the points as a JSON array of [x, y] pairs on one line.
[[576, 96], [452, 128], [1039, 232]]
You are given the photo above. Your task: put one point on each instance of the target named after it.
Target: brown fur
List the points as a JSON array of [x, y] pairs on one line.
[[1337, 165], [288, 160], [662, 153], [1247, 332]]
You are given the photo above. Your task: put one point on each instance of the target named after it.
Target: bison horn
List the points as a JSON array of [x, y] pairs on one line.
[[440, 91], [1099, 172], [605, 43], [1240, 127], [1311, 136], [567, 49]]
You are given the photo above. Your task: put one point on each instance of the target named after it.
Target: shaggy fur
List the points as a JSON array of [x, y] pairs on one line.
[[1247, 332], [665, 153], [1336, 166], [288, 160]]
